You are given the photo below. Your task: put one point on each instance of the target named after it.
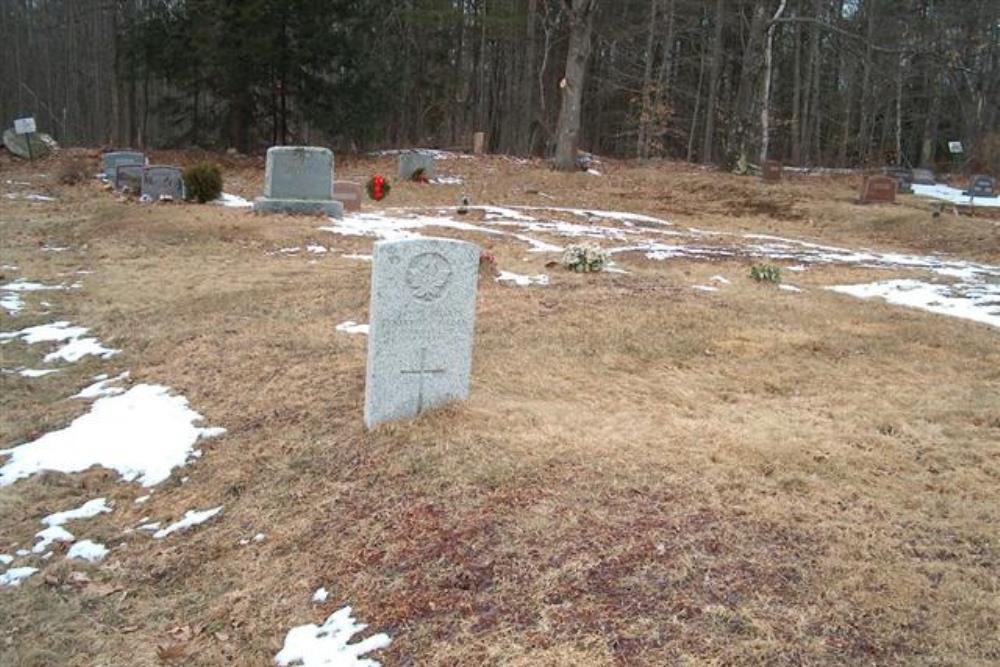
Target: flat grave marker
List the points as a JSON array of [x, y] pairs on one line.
[[422, 315]]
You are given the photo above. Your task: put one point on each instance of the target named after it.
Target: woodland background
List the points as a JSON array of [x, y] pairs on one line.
[[853, 82]]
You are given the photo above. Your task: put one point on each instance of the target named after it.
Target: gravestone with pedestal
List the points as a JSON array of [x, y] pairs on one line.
[[299, 179], [771, 170], [923, 177], [878, 189], [421, 315], [161, 182], [114, 159], [349, 194], [412, 162], [982, 186], [129, 176]]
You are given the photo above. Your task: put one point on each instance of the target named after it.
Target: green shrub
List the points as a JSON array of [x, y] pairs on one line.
[[203, 182], [585, 257], [766, 273]]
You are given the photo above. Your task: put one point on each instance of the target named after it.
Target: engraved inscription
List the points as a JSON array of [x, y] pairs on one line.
[[428, 276]]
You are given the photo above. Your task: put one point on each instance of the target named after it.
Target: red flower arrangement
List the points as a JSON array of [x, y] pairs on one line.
[[378, 187]]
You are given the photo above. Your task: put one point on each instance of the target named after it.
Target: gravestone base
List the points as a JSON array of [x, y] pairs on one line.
[[331, 208]]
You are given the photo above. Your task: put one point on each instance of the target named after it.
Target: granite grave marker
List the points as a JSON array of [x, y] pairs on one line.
[[129, 176], [923, 177], [410, 162], [349, 194], [982, 186], [421, 315], [161, 182], [299, 179], [113, 159]]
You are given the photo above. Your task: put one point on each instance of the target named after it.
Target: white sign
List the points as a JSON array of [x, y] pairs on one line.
[[24, 126], [955, 146]]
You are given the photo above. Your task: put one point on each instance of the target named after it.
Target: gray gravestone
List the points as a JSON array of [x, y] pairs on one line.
[[298, 179], [162, 183], [115, 158], [412, 161], [923, 177], [982, 186], [130, 176], [903, 177], [421, 315], [349, 194]]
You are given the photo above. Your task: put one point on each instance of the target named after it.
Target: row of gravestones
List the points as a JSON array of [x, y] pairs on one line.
[[130, 169]]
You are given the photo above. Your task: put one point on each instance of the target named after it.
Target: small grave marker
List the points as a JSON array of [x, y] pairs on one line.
[[422, 315], [982, 185], [130, 176], [160, 182], [478, 143], [878, 189], [771, 170], [349, 194], [115, 158], [299, 179], [412, 161]]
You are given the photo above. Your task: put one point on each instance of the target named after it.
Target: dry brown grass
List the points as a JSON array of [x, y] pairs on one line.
[[645, 475]]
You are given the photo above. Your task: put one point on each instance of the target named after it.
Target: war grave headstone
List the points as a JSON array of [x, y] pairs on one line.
[[129, 176], [299, 179], [410, 162], [923, 177], [771, 171], [422, 315], [903, 177], [162, 182], [878, 189], [982, 185], [349, 194], [114, 159]]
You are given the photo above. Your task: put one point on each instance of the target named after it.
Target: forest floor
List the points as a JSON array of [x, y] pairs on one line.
[[665, 464]]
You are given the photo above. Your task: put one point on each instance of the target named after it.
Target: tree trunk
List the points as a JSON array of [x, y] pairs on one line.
[[645, 113], [765, 112], [797, 96], [581, 21], [713, 85]]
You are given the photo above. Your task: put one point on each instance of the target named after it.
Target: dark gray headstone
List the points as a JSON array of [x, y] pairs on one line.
[[412, 161], [422, 315], [923, 177], [299, 179], [159, 182], [130, 176], [982, 186], [115, 158]]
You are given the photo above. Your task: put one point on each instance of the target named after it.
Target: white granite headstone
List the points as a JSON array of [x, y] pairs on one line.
[[422, 315]]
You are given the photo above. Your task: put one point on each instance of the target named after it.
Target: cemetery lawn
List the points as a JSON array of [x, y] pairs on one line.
[[646, 473]]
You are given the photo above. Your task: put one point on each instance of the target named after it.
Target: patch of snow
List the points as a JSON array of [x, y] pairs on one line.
[[363, 258], [522, 280], [321, 595], [36, 372], [593, 172], [15, 575], [797, 268], [720, 279], [446, 180], [89, 509], [79, 348], [54, 248], [705, 288], [232, 201], [350, 326], [142, 499], [6, 560], [790, 288], [102, 388], [150, 526], [289, 251], [48, 536], [29, 196], [46, 333], [191, 518], [92, 552], [316, 249], [327, 645], [12, 303], [142, 434], [953, 195], [980, 303]]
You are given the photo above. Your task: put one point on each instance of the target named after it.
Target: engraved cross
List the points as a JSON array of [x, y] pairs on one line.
[[422, 372]]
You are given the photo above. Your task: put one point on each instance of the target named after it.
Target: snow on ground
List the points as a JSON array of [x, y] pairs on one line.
[[232, 201], [446, 180], [12, 303], [521, 280], [953, 195], [321, 595], [36, 372], [23, 285], [980, 303], [79, 348], [89, 509], [362, 258], [191, 518], [29, 196], [49, 535], [92, 552], [15, 575], [75, 349], [705, 288], [790, 288], [142, 434], [316, 249], [102, 387], [352, 327], [327, 645]]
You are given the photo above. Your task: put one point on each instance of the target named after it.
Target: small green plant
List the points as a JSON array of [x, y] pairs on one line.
[[766, 273], [203, 182], [585, 257]]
